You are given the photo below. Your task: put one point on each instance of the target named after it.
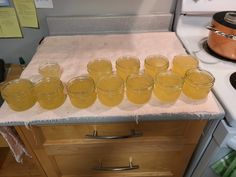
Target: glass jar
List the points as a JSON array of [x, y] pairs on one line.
[[127, 65], [50, 69], [110, 90], [168, 86], [19, 94], [198, 83], [139, 88], [98, 68], [81, 91], [182, 63], [155, 64], [50, 92]]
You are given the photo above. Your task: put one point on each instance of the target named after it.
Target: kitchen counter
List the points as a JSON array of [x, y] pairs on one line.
[[73, 54]]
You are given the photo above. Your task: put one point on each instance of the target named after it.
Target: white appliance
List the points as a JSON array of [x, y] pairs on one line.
[[220, 136]]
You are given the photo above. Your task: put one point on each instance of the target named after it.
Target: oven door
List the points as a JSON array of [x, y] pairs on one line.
[[222, 142]]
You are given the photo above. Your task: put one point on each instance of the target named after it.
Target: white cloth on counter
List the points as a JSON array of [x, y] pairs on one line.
[[74, 52]]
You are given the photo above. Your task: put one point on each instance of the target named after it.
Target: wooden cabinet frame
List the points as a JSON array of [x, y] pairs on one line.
[[64, 150]]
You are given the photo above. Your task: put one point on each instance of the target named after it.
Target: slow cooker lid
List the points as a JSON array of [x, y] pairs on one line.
[[226, 18]]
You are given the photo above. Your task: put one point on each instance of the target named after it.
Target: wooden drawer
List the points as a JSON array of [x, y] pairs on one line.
[[153, 158], [187, 132], [164, 148]]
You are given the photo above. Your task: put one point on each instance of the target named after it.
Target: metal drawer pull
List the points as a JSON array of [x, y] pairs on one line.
[[132, 134], [125, 168]]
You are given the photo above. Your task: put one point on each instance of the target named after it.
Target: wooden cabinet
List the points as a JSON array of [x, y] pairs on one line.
[[157, 149], [3, 143], [4, 150]]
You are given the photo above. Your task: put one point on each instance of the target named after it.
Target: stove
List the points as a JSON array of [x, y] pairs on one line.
[[193, 33], [219, 136]]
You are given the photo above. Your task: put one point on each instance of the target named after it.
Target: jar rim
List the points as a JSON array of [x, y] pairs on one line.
[[18, 80], [113, 75], [42, 65], [128, 57], [77, 78], [6, 83], [157, 57], [141, 74], [45, 80], [198, 70], [169, 73], [193, 58], [92, 69]]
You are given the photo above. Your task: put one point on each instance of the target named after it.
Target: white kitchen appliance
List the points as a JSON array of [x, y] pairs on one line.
[[220, 136]]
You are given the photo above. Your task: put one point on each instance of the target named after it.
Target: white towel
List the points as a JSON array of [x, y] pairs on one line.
[[73, 54]]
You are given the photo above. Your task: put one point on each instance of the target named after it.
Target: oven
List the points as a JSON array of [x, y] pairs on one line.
[[219, 138]]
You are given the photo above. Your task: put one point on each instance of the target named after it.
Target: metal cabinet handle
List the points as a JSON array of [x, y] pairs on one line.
[[132, 134], [124, 168], [220, 33]]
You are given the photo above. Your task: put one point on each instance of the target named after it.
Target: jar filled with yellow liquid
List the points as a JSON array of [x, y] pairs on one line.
[[110, 90], [198, 83], [127, 65], [155, 64], [50, 69], [50, 92], [98, 68], [168, 86], [182, 63], [18, 94], [81, 91], [139, 88]]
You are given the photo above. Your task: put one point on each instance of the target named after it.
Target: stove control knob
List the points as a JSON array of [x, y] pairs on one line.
[[232, 80]]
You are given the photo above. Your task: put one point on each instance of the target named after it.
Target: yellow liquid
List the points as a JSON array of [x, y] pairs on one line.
[[110, 91], [82, 93], [199, 90], [126, 66], [166, 95], [99, 68], [19, 96], [155, 64], [183, 63], [167, 87], [139, 90], [50, 95], [50, 70]]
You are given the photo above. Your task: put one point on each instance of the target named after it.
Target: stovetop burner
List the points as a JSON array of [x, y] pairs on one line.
[[212, 53], [232, 80]]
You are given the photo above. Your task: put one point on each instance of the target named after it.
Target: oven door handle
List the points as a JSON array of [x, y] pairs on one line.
[[232, 143]]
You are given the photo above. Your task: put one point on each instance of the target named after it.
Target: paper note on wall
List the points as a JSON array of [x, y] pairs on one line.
[[4, 3], [43, 3], [9, 26], [26, 12]]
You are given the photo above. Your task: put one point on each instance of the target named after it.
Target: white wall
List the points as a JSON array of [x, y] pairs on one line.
[[12, 49]]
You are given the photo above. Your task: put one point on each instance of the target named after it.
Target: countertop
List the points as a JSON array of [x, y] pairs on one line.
[[73, 54]]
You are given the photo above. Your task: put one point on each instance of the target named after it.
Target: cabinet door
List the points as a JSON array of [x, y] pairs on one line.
[[156, 158], [163, 149], [4, 150], [185, 131]]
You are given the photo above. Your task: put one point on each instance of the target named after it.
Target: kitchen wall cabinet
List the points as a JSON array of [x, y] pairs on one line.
[[160, 148]]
